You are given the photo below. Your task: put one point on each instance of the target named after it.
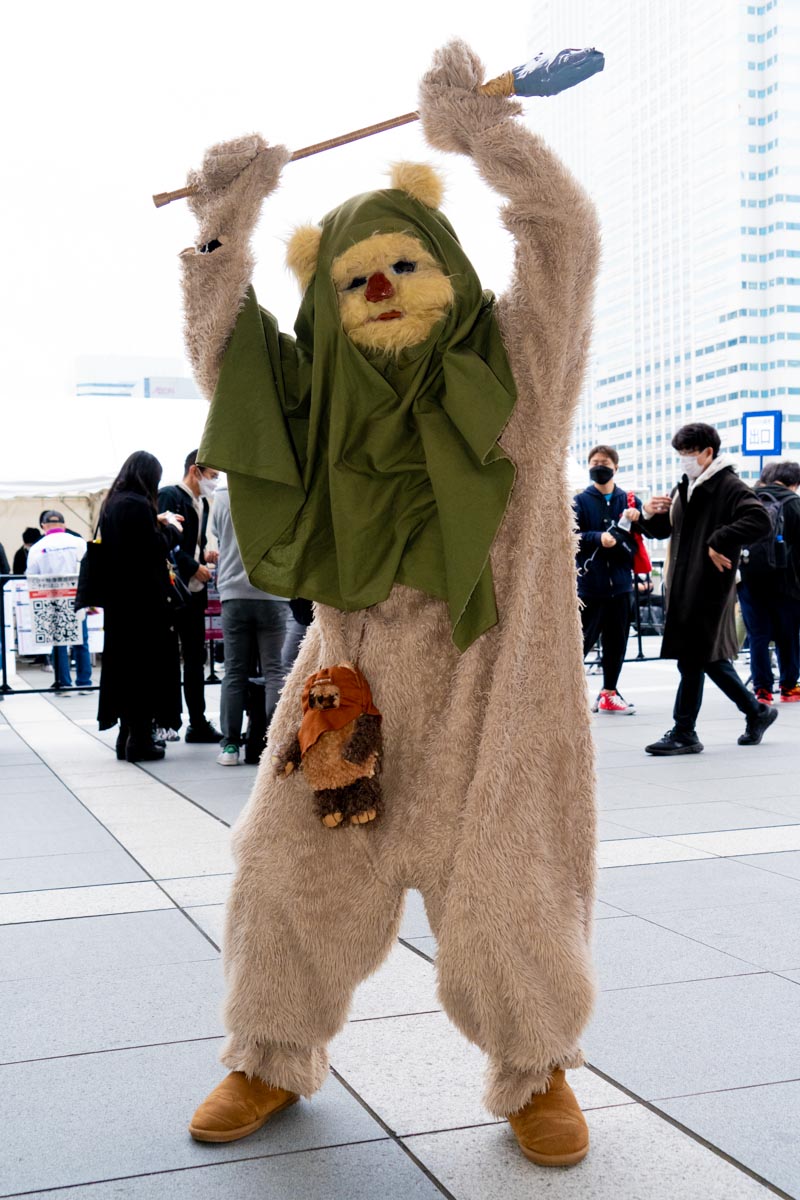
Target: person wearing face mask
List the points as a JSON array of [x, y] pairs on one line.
[[605, 571], [190, 499], [709, 517]]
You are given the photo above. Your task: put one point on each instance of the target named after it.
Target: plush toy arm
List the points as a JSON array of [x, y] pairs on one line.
[[230, 187], [287, 757], [545, 312], [365, 741]]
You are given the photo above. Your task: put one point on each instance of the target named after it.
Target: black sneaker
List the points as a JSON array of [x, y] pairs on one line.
[[758, 725], [203, 734], [675, 741]]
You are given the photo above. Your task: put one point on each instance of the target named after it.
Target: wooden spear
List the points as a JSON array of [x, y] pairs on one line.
[[543, 76]]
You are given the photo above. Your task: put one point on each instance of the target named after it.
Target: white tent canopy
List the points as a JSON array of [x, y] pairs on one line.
[[72, 448], [62, 454]]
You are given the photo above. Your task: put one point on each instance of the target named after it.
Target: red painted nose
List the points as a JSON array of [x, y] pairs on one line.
[[378, 288]]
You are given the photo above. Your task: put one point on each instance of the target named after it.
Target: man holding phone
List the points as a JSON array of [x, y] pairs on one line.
[[710, 515]]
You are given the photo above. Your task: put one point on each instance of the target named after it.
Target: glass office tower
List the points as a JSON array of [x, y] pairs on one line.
[[690, 145]]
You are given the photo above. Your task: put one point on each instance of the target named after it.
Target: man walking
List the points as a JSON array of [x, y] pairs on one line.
[[190, 500], [605, 571], [709, 517]]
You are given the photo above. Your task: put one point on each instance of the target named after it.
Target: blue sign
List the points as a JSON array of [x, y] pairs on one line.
[[761, 433]]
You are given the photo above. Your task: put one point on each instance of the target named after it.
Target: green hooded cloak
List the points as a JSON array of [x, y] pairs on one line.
[[350, 471]]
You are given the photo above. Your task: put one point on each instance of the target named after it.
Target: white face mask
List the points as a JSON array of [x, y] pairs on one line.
[[208, 486], [690, 465]]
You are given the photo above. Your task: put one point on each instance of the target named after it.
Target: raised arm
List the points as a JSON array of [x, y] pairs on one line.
[[545, 314], [233, 181]]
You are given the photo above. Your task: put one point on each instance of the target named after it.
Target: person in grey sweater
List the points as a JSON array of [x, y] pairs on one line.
[[251, 620]]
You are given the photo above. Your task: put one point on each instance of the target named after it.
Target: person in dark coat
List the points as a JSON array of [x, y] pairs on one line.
[[769, 595], [709, 517], [605, 571], [30, 537], [190, 499], [140, 677]]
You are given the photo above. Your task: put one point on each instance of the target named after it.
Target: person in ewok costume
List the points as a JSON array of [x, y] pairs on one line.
[[401, 464]]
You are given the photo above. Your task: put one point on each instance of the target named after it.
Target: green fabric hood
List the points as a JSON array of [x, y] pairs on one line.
[[350, 471]]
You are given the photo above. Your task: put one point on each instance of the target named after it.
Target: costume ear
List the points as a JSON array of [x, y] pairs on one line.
[[420, 181], [302, 252]]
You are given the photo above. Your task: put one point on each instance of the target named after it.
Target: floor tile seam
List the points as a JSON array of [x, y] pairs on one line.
[[122, 912], [19, 1062], [766, 870], [79, 887], [150, 877], [702, 856], [200, 1166], [691, 1133], [710, 832], [61, 854], [745, 829], [415, 949], [108, 974], [395, 1016], [707, 945], [494, 1122], [741, 1087], [148, 774], [392, 1135], [638, 987]]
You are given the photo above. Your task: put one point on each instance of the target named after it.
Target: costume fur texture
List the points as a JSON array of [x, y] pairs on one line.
[[489, 784]]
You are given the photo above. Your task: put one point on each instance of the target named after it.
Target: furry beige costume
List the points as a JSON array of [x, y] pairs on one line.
[[488, 783]]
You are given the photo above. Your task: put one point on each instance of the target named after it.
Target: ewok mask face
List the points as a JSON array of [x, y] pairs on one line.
[[391, 290]]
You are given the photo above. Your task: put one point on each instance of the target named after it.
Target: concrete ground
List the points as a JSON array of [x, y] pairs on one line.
[[113, 879]]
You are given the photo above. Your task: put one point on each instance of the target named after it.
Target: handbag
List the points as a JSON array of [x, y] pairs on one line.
[[641, 559], [178, 594], [92, 582]]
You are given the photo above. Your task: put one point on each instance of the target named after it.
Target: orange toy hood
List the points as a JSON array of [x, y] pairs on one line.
[[355, 699]]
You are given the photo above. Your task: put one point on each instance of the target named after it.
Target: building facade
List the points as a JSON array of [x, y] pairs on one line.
[[690, 146]]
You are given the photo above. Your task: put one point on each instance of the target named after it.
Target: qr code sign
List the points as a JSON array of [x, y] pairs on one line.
[[55, 622]]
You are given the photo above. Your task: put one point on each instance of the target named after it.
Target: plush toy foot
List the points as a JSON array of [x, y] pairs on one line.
[[236, 1107], [332, 819], [362, 817], [551, 1129]]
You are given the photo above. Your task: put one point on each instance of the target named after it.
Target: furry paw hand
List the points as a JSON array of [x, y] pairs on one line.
[[229, 187], [451, 108], [283, 762]]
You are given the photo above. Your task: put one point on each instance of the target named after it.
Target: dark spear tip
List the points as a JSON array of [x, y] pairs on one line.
[[549, 74]]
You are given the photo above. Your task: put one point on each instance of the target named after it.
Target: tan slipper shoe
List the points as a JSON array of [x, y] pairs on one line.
[[236, 1107], [551, 1129]]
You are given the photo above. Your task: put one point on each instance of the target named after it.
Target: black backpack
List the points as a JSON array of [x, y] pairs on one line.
[[768, 553]]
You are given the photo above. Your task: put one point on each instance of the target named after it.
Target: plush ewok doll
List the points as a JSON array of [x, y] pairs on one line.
[[401, 462]]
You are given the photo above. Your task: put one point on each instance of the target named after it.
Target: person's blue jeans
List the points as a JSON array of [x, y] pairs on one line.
[[771, 617], [249, 626], [83, 663]]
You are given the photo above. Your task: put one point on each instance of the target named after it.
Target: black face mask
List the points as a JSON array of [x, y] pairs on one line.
[[601, 474]]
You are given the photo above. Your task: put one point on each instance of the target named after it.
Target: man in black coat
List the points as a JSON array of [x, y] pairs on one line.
[[709, 517], [769, 593], [190, 499], [605, 571]]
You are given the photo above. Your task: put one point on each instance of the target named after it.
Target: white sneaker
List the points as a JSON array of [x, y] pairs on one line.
[[228, 756]]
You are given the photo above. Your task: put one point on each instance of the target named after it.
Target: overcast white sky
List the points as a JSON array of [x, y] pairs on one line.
[[105, 104]]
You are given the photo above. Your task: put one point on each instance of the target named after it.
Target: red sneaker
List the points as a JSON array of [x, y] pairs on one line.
[[790, 695], [764, 695], [615, 703]]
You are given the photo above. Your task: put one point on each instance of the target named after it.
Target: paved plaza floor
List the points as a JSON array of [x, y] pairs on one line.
[[113, 880]]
